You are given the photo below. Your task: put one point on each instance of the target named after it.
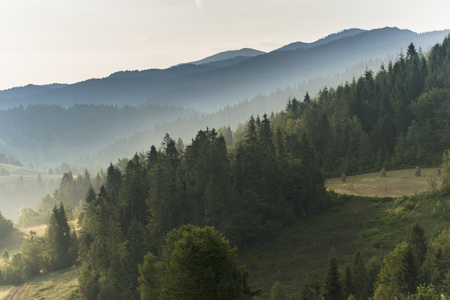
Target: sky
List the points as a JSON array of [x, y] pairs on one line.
[[61, 41]]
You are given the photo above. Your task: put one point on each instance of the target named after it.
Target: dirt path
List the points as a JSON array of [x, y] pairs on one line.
[[13, 296]]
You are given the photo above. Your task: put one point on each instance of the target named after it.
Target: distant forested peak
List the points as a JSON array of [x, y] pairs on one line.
[[325, 40], [396, 118], [9, 159]]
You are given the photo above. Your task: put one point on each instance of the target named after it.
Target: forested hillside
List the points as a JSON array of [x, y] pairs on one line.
[[9, 159], [135, 241], [51, 134], [393, 119], [72, 123]]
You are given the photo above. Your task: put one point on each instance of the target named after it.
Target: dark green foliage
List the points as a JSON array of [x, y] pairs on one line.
[[102, 250], [425, 293], [137, 246], [311, 289], [6, 226], [333, 288], [398, 274], [398, 116], [349, 287], [419, 246], [278, 292], [438, 260], [149, 275], [133, 190], [61, 244], [198, 263], [57, 249], [362, 285], [33, 256]]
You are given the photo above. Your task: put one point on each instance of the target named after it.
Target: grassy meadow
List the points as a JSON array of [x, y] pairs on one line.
[[396, 183], [51, 286]]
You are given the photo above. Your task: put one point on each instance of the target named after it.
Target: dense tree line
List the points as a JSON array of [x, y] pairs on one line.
[[6, 226], [51, 133], [268, 183], [396, 118], [57, 249], [71, 191], [10, 160]]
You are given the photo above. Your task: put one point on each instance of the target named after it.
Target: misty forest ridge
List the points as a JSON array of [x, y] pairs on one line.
[[231, 85]]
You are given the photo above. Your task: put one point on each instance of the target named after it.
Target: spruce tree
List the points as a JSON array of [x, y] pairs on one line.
[[333, 289], [59, 242], [418, 243]]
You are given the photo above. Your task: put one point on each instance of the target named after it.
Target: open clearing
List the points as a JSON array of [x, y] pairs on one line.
[[54, 285], [396, 183]]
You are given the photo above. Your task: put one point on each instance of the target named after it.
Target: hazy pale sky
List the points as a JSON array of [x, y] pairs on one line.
[[47, 41]]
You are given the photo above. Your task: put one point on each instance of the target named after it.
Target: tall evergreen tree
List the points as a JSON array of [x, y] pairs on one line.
[[60, 243], [333, 289], [418, 243], [102, 250]]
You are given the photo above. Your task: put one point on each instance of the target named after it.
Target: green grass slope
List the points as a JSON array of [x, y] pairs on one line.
[[395, 184], [52, 286], [371, 225]]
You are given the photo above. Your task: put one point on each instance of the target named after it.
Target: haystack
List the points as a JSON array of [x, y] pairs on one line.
[[417, 173]]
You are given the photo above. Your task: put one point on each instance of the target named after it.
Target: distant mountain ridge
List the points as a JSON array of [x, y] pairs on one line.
[[325, 40], [227, 78], [245, 52]]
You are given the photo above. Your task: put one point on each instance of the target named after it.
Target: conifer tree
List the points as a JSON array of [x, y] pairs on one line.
[[333, 289], [418, 242], [278, 292], [102, 250], [60, 248]]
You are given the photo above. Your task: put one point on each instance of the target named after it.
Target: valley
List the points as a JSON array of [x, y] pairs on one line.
[[253, 211]]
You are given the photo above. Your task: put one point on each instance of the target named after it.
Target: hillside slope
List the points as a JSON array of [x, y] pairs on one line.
[[372, 226]]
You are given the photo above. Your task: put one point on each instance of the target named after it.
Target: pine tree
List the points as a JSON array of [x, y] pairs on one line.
[[102, 250], [418, 243], [398, 274], [278, 292], [59, 241], [360, 279], [333, 289]]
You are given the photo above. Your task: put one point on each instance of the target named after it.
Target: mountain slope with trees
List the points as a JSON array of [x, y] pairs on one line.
[[209, 88], [270, 180], [51, 134]]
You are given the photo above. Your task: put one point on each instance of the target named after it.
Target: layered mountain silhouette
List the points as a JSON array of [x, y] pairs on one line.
[[227, 78]]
